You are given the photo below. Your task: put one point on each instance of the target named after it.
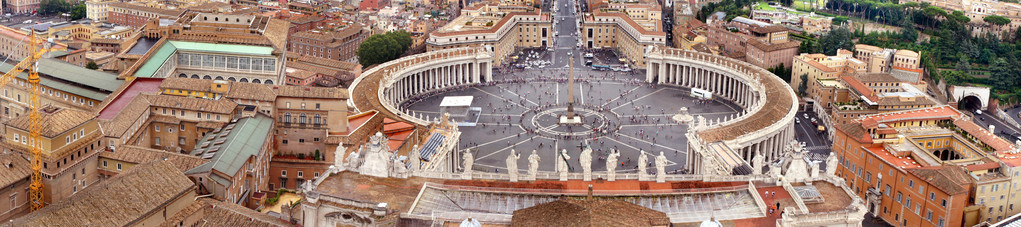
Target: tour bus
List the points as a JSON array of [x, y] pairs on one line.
[[701, 94]]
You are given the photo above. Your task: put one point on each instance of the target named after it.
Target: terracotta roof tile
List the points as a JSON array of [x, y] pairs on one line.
[[139, 155], [13, 168], [950, 179], [216, 213], [54, 123], [119, 201], [221, 106]]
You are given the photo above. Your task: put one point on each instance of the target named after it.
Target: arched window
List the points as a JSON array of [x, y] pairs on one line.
[[302, 119], [207, 77], [270, 82], [183, 75], [257, 81], [219, 77], [287, 118], [318, 119], [244, 80], [193, 76], [232, 79]]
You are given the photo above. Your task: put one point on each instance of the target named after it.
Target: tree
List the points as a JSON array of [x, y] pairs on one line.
[[839, 38], [53, 7], [78, 12], [92, 65], [963, 65], [996, 20], [1002, 75], [384, 47], [804, 84]]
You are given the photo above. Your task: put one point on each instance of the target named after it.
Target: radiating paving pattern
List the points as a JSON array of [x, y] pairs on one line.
[[725, 204]]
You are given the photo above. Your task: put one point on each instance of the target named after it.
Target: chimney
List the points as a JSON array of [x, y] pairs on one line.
[[590, 192]]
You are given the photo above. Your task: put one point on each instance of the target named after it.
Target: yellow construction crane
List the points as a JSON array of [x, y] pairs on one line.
[[35, 194]]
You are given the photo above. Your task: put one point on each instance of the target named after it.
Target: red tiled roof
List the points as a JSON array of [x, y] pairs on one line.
[[941, 112], [860, 87], [950, 179], [983, 166], [983, 135]]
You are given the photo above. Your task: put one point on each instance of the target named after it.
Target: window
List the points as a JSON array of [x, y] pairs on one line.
[[300, 174], [182, 128], [284, 141], [887, 190], [157, 127], [315, 174], [301, 140], [911, 184], [104, 163], [283, 173], [898, 197], [944, 203], [928, 215], [118, 166], [157, 141]]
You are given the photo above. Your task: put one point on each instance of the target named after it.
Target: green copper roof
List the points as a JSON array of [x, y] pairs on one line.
[[169, 48], [232, 145], [71, 78]]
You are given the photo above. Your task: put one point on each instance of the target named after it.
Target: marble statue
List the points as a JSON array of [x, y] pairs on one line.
[[414, 158], [377, 155], [643, 162], [353, 161], [533, 165], [757, 163], [562, 166], [399, 169], [512, 165], [338, 157], [661, 168], [586, 163], [468, 161], [831, 165], [611, 165]]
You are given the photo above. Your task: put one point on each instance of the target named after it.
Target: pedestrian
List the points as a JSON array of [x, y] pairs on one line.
[[773, 195]]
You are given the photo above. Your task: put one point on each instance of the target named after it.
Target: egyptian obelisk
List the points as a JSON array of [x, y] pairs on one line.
[[570, 117]]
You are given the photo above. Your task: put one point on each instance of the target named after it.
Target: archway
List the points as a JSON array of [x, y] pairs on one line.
[[970, 103]]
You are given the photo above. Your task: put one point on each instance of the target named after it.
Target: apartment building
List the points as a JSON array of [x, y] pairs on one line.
[[756, 42], [135, 15], [499, 27], [62, 85], [70, 144], [903, 64], [13, 185], [925, 167], [177, 123], [98, 10], [621, 32], [120, 159], [340, 41], [239, 156], [821, 67]]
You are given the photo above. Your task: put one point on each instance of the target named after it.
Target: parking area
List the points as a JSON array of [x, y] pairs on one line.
[[530, 58], [19, 20], [605, 60]]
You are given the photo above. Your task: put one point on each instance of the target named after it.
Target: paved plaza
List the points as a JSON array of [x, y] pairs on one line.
[[521, 111]]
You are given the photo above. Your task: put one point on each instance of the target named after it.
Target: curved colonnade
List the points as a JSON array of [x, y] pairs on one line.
[[403, 78], [770, 105], [766, 125]]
